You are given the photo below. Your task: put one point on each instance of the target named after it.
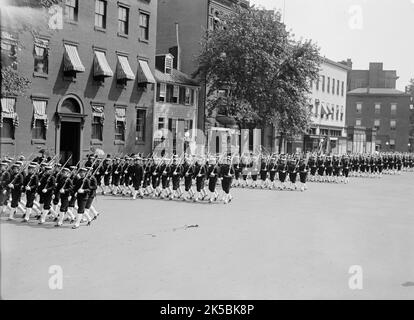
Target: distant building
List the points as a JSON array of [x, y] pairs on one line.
[[181, 26], [379, 117], [328, 108], [92, 82], [175, 110], [374, 77]]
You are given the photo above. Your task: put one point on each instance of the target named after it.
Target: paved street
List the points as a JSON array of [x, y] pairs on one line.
[[264, 245]]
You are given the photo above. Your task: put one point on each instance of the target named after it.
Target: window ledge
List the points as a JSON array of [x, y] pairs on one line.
[[71, 22], [119, 142], [143, 40], [140, 142], [38, 141], [96, 142], [7, 141], [40, 75], [122, 35], [99, 29]]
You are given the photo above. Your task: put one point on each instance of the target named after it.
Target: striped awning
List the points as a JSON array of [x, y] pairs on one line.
[[7, 107], [120, 114], [123, 70], [101, 67], [39, 108], [72, 61], [98, 111], [39, 112], [145, 75], [8, 110], [325, 109]]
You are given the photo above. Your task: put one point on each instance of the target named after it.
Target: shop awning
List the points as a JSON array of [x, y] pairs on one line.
[[101, 67], [8, 111], [72, 62], [145, 75], [325, 109], [124, 71]]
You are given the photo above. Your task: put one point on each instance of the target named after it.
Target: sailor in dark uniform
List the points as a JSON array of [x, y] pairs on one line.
[[65, 192], [175, 174], [320, 162], [329, 168], [237, 170], [337, 169], [188, 174], [165, 170], [303, 174], [226, 174], [107, 173], [272, 173], [346, 165], [93, 185], [245, 164], [137, 175], [200, 172], [46, 187], [156, 177], [282, 172], [255, 169], [30, 184], [263, 172], [4, 181], [116, 175], [56, 194], [213, 172], [72, 199], [293, 173], [81, 192], [312, 167], [16, 181]]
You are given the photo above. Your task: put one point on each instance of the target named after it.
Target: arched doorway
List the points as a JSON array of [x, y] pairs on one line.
[[70, 121]]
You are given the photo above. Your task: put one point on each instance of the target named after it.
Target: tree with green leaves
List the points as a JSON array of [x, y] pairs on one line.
[[21, 16], [263, 71]]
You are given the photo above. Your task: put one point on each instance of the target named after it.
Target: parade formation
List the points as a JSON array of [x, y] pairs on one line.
[[45, 189]]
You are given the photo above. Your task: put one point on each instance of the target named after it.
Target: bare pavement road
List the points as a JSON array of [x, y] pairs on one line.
[[264, 245]]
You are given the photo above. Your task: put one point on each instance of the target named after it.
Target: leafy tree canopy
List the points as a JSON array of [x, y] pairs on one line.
[[20, 16], [265, 71]]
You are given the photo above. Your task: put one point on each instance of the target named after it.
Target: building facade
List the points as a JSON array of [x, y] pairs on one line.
[[92, 83], [328, 109], [374, 77], [175, 110], [182, 24], [384, 111], [379, 117]]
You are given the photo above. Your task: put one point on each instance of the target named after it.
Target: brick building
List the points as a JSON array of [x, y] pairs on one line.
[[176, 106], [374, 77], [92, 81], [180, 29], [384, 111], [378, 115]]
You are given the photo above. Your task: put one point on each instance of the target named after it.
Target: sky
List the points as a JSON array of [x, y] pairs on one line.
[[363, 30]]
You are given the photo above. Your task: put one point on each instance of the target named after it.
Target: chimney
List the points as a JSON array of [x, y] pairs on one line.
[[177, 60], [349, 63]]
